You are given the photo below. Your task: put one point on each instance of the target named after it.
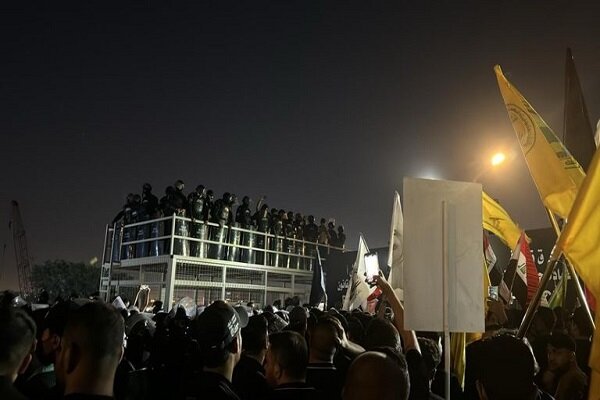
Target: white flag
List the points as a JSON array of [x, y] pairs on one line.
[[396, 253], [358, 290]]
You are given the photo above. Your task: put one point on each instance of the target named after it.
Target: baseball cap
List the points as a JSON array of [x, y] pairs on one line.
[[218, 324]]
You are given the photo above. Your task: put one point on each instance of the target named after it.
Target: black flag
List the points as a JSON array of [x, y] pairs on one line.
[[317, 290], [578, 133]]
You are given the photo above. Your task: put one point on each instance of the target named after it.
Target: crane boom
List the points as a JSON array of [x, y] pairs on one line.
[[21, 250]]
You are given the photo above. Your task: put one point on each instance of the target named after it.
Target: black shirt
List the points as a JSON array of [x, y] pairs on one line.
[[326, 379], [81, 396], [295, 391], [417, 373], [8, 391], [249, 379], [210, 385]]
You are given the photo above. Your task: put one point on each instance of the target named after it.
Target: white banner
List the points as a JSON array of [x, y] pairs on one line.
[[423, 255]]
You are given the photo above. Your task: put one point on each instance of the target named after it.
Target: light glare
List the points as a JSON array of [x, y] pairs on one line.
[[498, 159]]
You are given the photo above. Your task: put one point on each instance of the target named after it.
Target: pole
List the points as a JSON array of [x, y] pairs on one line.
[[578, 288], [445, 261], [538, 295]]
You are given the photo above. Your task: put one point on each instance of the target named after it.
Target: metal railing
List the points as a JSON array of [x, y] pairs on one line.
[[181, 236]]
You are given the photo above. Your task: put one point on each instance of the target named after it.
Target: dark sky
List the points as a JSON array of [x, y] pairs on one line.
[[324, 106]]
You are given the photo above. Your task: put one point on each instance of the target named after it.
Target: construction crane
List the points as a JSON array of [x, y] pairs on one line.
[[21, 251]]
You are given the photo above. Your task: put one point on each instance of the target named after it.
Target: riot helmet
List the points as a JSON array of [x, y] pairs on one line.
[[201, 190]]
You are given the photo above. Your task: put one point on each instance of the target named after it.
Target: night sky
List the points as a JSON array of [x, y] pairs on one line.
[[323, 106]]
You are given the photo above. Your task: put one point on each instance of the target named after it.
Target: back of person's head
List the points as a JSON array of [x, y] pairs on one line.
[[92, 345], [217, 332], [580, 324], [98, 331], [324, 339], [51, 330], [298, 319], [382, 333], [356, 330], [377, 375], [255, 335], [508, 369], [432, 355], [287, 358], [17, 341], [543, 322]]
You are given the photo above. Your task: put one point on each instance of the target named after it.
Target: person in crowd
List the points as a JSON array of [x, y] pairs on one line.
[[285, 366], [209, 204], [17, 344], [432, 356], [149, 200], [331, 233], [121, 214], [218, 334], [311, 230], [563, 377], [581, 330], [341, 237], [91, 349], [377, 375], [243, 214], [323, 233], [298, 320], [299, 226], [507, 370], [539, 333], [179, 198], [321, 371], [381, 333], [166, 202], [40, 379], [419, 384], [198, 230], [249, 375]]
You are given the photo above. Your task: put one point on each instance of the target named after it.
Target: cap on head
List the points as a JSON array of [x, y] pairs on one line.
[[217, 326]]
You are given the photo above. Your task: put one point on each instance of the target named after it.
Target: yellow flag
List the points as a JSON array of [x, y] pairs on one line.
[[579, 243], [557, 175], [497, 221], [458, 356]]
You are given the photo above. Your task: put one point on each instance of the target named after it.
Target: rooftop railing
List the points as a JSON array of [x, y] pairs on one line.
[[181, 236]]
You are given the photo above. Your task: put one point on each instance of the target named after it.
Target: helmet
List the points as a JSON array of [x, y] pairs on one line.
[[179, 185], [147, 187], [200, 189]]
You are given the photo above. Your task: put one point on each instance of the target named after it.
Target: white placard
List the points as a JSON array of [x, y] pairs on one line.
[[423, 255]]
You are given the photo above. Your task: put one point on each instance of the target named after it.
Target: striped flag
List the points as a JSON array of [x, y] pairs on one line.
[[521, 275]]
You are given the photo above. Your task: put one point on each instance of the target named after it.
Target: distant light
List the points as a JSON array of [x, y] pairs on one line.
[[498, 159], [429, 173]]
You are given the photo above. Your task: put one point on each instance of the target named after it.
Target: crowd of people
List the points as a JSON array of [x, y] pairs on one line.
[[87, 349], [288, 229]]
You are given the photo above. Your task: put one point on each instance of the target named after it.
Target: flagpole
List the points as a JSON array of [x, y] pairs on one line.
[[544, 282], [445, 261], [578, 288], [538, 294]]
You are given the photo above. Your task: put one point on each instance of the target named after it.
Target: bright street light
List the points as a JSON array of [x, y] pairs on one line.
[[498, 159]]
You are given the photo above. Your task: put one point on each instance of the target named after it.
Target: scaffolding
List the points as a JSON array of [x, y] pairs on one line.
[[177, 257]]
